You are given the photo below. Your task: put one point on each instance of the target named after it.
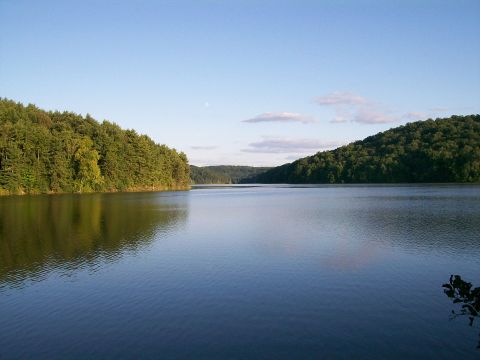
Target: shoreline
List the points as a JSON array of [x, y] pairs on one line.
[[130, 190]]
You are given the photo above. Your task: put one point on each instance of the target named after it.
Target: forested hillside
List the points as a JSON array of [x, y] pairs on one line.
[[201, 175], [441, 150], [45, 151], [224, 174]]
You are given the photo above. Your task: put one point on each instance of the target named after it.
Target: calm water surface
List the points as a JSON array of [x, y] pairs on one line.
[[351, 272]]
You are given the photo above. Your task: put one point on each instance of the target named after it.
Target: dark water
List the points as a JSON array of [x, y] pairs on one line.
[[239, 273]]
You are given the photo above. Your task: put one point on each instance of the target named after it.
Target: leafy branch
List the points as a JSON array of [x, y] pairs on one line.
[[462, 292]]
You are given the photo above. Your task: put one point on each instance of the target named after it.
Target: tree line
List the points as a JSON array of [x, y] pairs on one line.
[[55, 152], [441, 150], [224, 174]]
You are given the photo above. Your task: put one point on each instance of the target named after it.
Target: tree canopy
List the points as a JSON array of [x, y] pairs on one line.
[[441, 150], [224, 174], [50, 151]]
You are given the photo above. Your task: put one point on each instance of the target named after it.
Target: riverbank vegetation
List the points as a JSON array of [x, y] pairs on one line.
[[441, 150], [57, 152]]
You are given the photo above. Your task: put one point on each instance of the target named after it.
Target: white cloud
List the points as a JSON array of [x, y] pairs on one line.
[[280, 117], [372, 115], [339, 119], [355, 108], [282, 145]]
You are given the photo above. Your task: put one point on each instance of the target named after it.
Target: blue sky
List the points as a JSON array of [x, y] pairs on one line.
[[245, 82]]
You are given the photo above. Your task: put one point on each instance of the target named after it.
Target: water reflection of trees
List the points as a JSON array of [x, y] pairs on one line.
[[41, 232], [467, 298]]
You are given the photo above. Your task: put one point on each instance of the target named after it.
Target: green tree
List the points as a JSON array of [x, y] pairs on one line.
[[63, 152], [88, 176]]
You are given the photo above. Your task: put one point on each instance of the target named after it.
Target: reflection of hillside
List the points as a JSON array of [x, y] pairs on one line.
[[51, 231]]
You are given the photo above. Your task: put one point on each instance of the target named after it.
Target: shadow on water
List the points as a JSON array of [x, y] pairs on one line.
[[42, 233], [467, 298]]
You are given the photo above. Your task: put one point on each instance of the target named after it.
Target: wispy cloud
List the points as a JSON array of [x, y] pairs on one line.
[[372, 115], [282, 145], [355, 108], [280, 117], [207, 147], [338, 98]]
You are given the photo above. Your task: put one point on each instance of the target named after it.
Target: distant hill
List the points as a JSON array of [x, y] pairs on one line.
[[201, 175], [54, 152], [441, 150], [224, 174]]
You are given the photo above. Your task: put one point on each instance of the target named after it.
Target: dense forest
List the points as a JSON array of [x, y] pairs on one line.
[[224, 174], [441, 150], [201, 175], [53, 152]]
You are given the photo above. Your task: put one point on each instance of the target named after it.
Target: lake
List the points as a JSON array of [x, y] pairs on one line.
[[267, 272]]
